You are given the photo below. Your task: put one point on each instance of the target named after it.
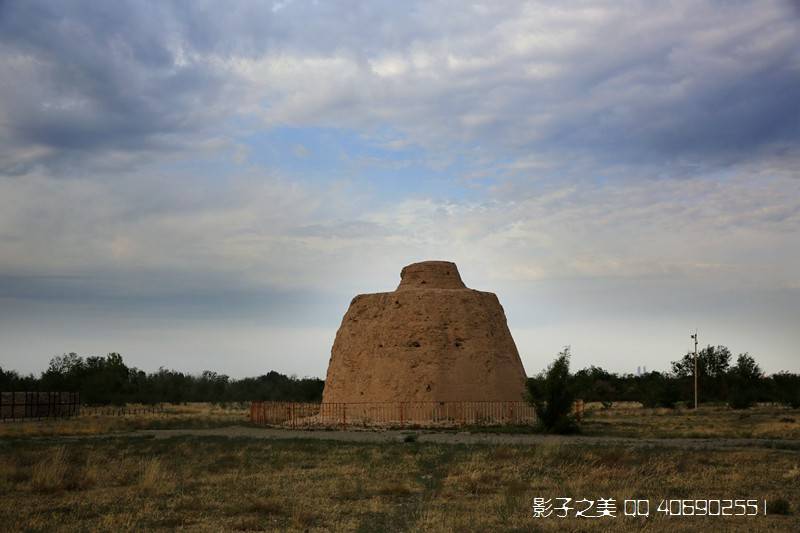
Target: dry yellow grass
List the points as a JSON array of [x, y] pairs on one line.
[[214, 484], [155, 479], [624, 419], [629, 419], [94, 422], [48, 474]]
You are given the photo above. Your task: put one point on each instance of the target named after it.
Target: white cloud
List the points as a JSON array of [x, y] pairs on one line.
[[523, 77], [698, 81]]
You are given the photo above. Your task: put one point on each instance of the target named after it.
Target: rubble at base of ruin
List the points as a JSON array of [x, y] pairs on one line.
[[432, 339]]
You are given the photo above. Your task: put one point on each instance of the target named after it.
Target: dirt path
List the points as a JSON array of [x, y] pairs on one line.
[[792, 446]]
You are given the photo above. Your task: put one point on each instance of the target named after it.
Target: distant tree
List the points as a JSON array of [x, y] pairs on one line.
[[658, 390], [744, 380], [604, 392], [746, 368], [11, 380], [595, 385], [64, 373], [8, 379], [711, 361], [553, 396], [786, 389], [69, 363], [107, 379], [713, 364], [103, 380]]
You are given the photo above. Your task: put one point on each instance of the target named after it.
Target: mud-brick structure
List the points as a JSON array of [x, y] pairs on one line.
[[432, 339]]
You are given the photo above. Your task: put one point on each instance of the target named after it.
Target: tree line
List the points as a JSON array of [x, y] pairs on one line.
[[108, 380], [738, 382]]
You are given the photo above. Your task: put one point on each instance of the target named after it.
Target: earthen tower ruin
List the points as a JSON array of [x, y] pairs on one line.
[[432, 339]]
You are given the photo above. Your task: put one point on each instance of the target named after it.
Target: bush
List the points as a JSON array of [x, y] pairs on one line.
[[744, 378], [659, 390], [740, 398], [787, 389], [552, 396]]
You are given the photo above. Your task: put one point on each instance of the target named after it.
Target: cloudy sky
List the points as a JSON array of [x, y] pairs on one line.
[[206, 185]]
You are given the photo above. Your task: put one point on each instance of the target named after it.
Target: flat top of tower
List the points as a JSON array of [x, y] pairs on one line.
[[430, 275]]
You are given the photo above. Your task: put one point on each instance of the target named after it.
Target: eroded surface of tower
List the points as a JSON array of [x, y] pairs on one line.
[[432, 339]]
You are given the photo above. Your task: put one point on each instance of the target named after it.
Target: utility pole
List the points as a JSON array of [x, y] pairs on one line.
[[695, 367]]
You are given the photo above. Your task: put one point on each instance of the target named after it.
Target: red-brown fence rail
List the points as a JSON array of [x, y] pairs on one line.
[[122, 410], [391, 414], [21, 405]]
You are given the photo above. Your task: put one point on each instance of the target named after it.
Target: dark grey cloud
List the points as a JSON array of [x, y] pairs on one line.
[[710, 86], [709, 82], [730, 119], [86, 79]]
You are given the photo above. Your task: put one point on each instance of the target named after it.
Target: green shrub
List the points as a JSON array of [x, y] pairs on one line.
[[744, 378], [659, 390], [552, 396], [787, 389]]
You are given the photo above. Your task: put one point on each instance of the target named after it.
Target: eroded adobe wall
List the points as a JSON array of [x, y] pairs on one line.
[[430, 340]]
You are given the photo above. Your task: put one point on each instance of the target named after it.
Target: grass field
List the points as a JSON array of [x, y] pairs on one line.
[[622, 420], [224, 484], [102, 479], [192, 415], [631, 420]]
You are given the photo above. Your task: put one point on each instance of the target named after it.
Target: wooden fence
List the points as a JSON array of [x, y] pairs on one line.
[[391, 414], [21, 405]]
